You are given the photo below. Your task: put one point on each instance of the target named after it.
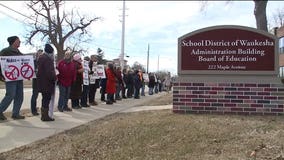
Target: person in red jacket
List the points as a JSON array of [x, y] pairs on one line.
[[111, 83], [66, 76]]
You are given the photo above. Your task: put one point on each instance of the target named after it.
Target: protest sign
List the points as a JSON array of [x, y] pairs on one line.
[[17, 67]]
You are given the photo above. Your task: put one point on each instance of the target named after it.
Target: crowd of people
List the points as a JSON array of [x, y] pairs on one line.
[[75, 80]]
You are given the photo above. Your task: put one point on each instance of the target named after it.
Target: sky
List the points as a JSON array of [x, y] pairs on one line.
[[157, 24]]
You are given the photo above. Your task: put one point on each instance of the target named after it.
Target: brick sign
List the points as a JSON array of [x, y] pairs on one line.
[[228, 70], [226, 49]]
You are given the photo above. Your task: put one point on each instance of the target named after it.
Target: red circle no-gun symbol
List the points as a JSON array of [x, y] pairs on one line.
[[27, 71], [12, 73]]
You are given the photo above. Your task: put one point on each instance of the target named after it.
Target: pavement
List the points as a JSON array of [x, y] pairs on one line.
[[17, 133]]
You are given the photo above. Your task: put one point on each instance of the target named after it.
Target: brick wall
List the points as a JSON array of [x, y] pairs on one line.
[[228, 98]]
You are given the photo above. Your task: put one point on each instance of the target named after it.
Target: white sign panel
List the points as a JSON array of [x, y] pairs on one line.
[[100, 71], [86, 72], [17, 67], [146, 77]]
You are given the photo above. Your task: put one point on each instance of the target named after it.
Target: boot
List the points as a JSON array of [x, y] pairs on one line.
[[44, 115], [109, 102]]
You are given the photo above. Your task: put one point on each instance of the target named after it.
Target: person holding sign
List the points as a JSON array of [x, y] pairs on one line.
[[14, 89], [94, 80], [86, 88]]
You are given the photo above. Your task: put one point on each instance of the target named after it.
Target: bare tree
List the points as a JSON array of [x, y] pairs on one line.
[[279, 18], [56, 26], [138, 66], [260, 14]]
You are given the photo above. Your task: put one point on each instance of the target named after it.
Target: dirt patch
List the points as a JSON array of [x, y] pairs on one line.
[[163, 135]]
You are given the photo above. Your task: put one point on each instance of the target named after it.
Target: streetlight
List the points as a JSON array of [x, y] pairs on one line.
[[122, 37], [148, 57]]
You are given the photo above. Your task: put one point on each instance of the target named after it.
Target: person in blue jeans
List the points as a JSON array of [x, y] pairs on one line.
[[14, 89], [67, 75]]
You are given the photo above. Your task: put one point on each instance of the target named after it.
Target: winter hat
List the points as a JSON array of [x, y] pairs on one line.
[[48, 49], [77, 57], [87, 58], [12, 39]]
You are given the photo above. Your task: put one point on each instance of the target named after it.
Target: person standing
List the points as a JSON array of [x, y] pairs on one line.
[[130, 84], [142, 82], [151, 83], [111, 83], [103, 82], [66, 76], [52, 101], [168, 82], [34, 84], [119, 83], [94, 81], [76, 87], [46, 78], [137, 84], [124, 81], [86, 87], [14, 89]]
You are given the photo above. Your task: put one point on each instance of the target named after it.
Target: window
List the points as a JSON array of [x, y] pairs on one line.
[[281, 45], [281, 71]]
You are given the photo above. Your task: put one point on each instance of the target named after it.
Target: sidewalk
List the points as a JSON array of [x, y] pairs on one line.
[[16, 133]]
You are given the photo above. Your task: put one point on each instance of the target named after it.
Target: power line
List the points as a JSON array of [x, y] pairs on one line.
[[21, 21], [20, 14], [16, 12], [12, 17]]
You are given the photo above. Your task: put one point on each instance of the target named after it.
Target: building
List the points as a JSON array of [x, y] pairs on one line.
[[279, 32]]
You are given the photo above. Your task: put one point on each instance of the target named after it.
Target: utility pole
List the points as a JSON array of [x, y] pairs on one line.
[[122, 37], [158, 62], [148, 58]]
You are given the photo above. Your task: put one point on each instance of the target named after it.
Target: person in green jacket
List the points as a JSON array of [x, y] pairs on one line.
[[14, 89]]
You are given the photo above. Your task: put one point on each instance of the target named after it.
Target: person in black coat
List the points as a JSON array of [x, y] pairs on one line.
[[137, 84], [46, 78], [151, 83], [124, 81], [130, 84]]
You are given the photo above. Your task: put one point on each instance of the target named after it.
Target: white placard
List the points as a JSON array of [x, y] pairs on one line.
[[17, 67], [99, 71], [146, 77], [86, 72]]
